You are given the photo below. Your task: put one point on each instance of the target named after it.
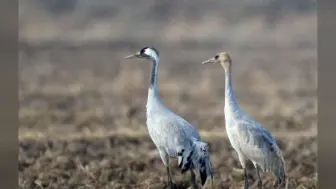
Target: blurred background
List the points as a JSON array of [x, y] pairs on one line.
[[74, 84]]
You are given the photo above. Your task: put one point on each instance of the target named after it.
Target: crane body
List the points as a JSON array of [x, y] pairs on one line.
[[248, 138], [172, 135]]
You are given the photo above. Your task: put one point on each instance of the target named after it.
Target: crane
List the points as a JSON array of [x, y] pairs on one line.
[[249, 138], [172, 135]]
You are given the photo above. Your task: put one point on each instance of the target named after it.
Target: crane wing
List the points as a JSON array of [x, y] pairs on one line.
[[187, 127], [258, 145]]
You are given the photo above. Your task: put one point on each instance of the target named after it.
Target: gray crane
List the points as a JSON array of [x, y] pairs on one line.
[[172, 135], [249, 139]]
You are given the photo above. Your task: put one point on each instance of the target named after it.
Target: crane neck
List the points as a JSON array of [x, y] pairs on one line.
[[153, 90], [231, 105], [153, 80]]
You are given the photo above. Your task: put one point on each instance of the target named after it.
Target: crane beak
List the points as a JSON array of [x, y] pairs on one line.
[[136, 55], [211, 60]]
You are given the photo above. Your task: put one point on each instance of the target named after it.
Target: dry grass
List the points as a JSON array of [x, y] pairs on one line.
[[119, 161], [82, 106]]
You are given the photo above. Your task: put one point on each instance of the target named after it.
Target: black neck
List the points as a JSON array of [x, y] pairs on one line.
[[153, 81]]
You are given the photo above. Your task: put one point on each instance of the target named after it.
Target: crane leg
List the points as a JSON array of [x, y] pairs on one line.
[[165, 160], [170, 181], [246, 184], [243, 164], [259, 178], [193, 179]]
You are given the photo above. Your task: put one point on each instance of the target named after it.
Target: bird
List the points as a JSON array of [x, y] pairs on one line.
[[172, 135], [248, 137]]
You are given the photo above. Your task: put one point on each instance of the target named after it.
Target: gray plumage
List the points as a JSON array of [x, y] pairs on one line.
[[249, 139], [172, 135]]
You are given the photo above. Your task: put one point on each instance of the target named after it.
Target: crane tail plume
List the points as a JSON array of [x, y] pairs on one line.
[[197, 157], [279, 170], [281, 175], [275, 163]]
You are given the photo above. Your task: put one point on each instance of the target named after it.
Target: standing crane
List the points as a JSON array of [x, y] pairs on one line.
[[172, 135], [249, 139]]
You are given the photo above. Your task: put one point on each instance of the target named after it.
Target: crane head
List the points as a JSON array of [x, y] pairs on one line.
[[146, 52], [223, 58]]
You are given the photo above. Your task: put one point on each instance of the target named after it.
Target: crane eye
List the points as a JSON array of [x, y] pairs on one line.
[[216, 57], [142, 52]]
